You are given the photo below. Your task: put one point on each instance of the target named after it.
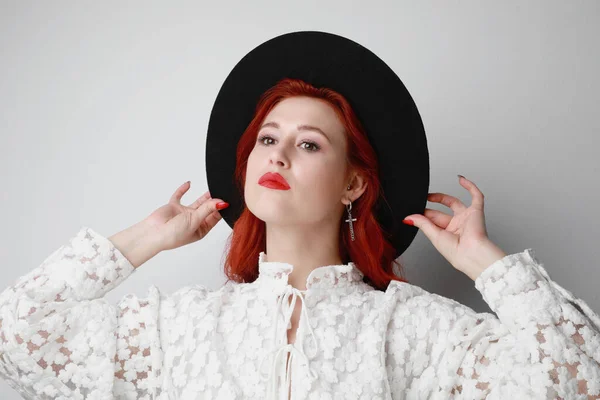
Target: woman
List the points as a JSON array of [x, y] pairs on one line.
[[297, 318]]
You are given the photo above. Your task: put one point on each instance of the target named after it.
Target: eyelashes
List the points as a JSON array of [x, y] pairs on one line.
[[315, 147]]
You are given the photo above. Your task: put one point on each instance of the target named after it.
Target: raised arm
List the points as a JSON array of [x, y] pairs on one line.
[[60, 339], [544, 344], [551, 348]]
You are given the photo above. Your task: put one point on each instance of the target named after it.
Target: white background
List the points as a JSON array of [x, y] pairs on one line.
[[105, 105]]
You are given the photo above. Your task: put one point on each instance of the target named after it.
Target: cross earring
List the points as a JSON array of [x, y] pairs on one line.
[[350, 219]]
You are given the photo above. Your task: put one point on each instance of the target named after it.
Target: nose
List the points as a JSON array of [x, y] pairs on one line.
[[279, 156]]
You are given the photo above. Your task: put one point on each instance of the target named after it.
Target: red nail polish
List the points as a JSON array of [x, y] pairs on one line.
[[221, 205], [408, 222]]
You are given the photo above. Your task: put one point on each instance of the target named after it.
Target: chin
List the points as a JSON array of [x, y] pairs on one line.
[[271, 214]]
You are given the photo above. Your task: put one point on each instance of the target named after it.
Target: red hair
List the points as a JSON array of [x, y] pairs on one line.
[[371, 252]]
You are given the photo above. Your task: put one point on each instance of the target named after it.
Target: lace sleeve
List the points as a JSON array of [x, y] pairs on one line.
[[60, 339], [544, 344], [548, 343]]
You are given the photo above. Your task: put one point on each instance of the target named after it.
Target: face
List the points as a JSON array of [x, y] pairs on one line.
[[313, 164]]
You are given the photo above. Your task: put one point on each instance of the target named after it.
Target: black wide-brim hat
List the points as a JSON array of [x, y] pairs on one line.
[[380, 100]]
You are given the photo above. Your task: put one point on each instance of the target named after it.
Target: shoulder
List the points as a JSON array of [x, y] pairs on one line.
[[200, 296], [410, 299]]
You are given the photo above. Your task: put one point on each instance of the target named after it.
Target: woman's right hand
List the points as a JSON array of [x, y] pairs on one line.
[[177, 225]]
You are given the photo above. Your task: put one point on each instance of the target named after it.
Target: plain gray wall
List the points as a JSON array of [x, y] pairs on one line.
[[105, 108]]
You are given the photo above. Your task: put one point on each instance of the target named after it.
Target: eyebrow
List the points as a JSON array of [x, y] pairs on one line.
[[299, 127]]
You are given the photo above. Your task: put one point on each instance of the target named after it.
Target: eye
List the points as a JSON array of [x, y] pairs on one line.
[[315, 146]]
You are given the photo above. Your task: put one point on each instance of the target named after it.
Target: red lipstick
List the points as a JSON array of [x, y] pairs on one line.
[[274, 181]]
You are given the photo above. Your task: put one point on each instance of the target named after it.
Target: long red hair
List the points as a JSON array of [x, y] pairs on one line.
[[371, 252]]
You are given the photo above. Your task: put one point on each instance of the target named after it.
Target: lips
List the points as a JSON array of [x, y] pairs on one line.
[[274, 181]]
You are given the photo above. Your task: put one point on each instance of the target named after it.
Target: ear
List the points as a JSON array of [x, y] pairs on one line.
[[358, 186]]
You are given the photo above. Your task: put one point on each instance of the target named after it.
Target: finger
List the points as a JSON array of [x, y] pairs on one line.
[[176, 198], [439, 218], [200, 200], [430, 230], [449, 201], [206, 209], [477, 195], [210, 221]]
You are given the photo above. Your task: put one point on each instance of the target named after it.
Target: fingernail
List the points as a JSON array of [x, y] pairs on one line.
[[460, 176], [222, 204], [408, 222]]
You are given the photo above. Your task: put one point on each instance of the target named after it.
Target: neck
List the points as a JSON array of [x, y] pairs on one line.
[[305, 250]]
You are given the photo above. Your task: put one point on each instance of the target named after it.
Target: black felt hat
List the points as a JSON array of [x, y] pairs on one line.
[[380, 100]]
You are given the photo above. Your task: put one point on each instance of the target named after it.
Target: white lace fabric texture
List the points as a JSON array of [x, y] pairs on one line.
[[60, 339]]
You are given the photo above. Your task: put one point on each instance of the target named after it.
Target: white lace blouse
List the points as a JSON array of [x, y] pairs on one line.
[[59, 339]]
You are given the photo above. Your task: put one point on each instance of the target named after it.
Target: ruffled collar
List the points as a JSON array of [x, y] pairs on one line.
[[328, 276]]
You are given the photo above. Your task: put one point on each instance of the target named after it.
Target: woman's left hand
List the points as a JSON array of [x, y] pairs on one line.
[[461, 238]]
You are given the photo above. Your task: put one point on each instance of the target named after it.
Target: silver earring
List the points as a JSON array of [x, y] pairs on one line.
[[350, 219]]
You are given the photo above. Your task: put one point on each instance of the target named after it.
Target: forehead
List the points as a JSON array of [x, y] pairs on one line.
[[295, 111]]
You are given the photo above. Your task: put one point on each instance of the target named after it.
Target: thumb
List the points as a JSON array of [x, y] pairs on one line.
[[208, 208], [431, 230]]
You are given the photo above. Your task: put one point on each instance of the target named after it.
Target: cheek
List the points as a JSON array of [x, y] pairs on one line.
[[251, 165], [323, 180], [250, 175], [331, 171]]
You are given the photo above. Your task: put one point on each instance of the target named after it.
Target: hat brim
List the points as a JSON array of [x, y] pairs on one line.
[[380, 100]]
